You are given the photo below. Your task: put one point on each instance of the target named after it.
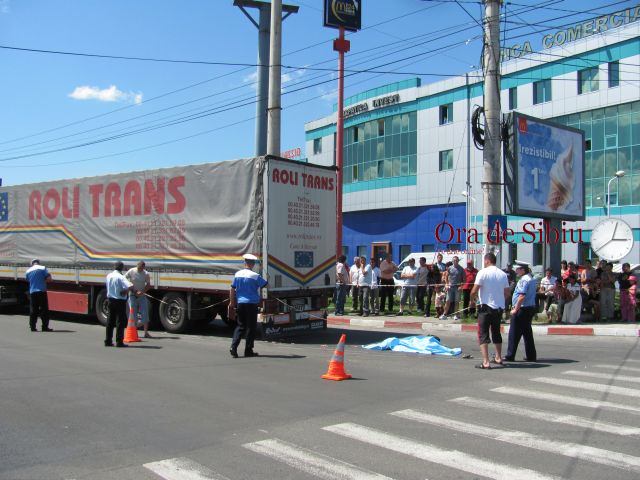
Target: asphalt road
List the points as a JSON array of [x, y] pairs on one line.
[[179, 407]]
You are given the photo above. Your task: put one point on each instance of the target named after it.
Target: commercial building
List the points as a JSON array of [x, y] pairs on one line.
[[409, 153]]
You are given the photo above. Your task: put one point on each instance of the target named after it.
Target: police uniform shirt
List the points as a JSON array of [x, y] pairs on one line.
[[116, 283], [37, 278], [526, 286], [247, 284]]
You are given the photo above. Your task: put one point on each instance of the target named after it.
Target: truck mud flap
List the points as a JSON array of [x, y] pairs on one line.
[[270, 330]]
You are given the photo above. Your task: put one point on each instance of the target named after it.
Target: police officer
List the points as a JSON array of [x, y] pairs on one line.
[[244, 297], [522, 311], [38, 276], [117, 289]]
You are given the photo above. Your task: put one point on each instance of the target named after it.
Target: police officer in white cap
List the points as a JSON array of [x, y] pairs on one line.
[[523, 308], [244, 297], [38, 276]]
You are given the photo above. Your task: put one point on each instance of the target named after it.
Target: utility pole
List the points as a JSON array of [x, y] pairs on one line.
[[263, 26], [491, 183], [275, 67]]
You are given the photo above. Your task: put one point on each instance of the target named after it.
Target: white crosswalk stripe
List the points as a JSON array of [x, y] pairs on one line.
[[568, 449], [547, 416], [565, 399], [603, 376], [594, 387], [182, 469], [618, 367], [424, 451], [310, 462]]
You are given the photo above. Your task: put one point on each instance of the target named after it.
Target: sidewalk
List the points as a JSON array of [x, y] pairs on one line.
[[422, 325]]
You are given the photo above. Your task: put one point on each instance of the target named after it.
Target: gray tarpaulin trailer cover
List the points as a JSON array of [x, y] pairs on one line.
[[190, 224]]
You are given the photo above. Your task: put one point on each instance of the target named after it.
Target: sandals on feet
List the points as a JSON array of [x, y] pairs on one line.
[[482, 366]]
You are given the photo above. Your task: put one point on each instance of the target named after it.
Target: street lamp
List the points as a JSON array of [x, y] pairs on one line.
[[619, 174]]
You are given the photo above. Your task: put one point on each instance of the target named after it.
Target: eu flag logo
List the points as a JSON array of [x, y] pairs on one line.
[[303, 260], [4, 206]]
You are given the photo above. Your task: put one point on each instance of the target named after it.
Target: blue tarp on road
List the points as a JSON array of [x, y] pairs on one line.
[[423, 344]]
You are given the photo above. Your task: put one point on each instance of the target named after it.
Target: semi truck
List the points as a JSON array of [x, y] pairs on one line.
[[190, 225]]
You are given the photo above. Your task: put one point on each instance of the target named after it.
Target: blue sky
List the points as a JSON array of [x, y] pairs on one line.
[[40, 92]]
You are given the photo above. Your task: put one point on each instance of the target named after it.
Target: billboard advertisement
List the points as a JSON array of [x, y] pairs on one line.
[[343, 13], [544, 169], [300, 225]]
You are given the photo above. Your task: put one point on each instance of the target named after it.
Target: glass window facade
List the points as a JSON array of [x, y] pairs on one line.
[[446, 113], [446, 160], [542, 91], [614, 74], [513, 98], [383, 148], [317, 146], [588, 80], [613, 133]]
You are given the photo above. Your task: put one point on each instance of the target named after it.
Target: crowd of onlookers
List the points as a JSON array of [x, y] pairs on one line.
[[579, 291]]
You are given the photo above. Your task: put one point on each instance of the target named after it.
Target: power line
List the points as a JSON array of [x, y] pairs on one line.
[[222, 76], [376, 56]]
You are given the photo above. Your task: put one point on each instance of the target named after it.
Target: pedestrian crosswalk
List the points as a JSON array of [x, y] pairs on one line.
[[562, 426], [547, 416]]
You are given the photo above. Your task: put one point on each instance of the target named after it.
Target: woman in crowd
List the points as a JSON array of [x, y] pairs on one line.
[[573, 301], [628, 285]]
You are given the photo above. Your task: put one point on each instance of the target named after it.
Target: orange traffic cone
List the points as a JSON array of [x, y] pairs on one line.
[[131, 334], [336, 365]]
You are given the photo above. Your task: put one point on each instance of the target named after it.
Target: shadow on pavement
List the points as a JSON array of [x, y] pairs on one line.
[[286, 357], [147, 347], [556, 360], [524, 365], [56, 330]]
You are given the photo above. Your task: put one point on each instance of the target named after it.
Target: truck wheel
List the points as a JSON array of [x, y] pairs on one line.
[[173, 313], [102, 307]]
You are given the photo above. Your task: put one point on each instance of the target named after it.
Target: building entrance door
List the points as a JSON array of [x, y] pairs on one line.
[[379, 250]]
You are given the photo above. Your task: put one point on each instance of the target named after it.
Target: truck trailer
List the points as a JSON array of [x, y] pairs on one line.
[[191, 225]]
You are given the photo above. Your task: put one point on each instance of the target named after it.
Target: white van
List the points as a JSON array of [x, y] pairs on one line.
[[430, 257]]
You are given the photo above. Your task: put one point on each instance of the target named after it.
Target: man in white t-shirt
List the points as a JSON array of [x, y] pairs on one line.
[[410, 276], [342, 287], [354, 272], [365, 281], [491, 287]]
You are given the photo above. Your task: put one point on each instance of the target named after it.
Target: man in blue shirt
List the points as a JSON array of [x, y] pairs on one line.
[[117, 289], [38, 276], [522, 311], [244, 297]]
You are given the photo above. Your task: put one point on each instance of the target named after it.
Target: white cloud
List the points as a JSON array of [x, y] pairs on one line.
[[252, 78], [111, 94], [285, 78], [5, 6], [328, 94]]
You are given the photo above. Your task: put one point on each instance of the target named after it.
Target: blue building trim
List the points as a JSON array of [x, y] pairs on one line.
[[413, 226], [379, 91], [320, 132], [544, 71], [380, 183]]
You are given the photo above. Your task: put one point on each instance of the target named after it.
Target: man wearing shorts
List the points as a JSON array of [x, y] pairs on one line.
[[491, 287]]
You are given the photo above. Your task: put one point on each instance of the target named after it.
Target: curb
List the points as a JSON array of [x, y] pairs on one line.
[[380, 324]]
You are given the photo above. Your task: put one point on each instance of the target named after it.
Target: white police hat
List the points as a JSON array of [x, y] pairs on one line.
[[521, 264], [250, 257], [34, 261]]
